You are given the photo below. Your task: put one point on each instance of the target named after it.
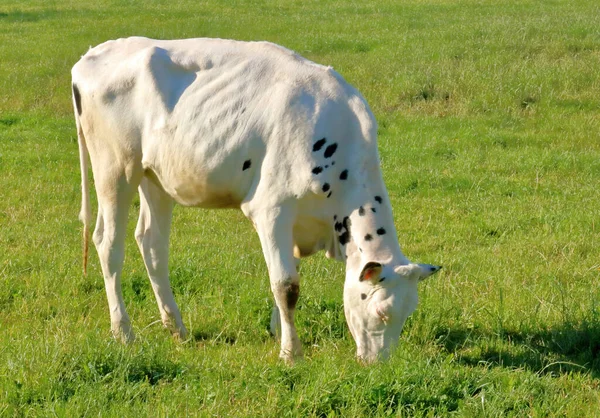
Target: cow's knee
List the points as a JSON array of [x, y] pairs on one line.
[[286, 294], [292, 293]]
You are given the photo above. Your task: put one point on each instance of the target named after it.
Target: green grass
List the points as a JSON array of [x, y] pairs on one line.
[[489, 115]]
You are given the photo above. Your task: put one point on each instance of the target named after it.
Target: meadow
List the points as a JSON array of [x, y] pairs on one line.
[[489, 135]]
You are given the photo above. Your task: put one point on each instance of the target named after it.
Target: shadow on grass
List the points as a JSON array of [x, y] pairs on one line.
[[560, 350], [213, 336]]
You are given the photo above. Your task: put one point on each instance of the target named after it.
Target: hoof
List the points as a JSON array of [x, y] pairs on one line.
[[122, 332]]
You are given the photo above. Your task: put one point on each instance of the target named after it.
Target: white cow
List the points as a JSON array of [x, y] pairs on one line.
[[225, 124]]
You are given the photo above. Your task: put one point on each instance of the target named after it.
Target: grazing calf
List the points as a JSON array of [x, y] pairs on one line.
[[216, 123]]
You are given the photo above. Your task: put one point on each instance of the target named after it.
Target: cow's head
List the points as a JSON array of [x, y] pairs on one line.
[[377, 300]]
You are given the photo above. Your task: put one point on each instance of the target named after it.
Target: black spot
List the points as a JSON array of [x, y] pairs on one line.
[[247, 165], [330, 150], [291, 294], [333, 163], [326, 166], [77, 97], [325, 187], [373, 210], [346, 222], [380, 231], [368, 237], [329, 195], [382, 279], [317, 170], [344, 175], [361, 211], [360, 249], [363, 296], [345, 238], [345, 226], [378, 199], [334, 217], [319, 144]]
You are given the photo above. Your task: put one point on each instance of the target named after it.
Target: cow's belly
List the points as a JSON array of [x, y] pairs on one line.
[[199, 187]]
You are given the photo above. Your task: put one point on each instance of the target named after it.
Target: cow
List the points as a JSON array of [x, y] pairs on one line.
[[215, 123]]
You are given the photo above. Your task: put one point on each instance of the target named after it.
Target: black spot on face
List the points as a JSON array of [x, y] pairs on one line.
[[334, 217], [317, 170], [363, 296], [373, 210], [77, 97], [338, 227], [247, 165], [361, 211], [368, 237], [381, 231], [330, 150], [319, 144], [325, 187], [329, 195], [378, 199], [344, 175]]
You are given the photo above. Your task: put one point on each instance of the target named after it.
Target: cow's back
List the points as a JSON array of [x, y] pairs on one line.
[[209, 118]]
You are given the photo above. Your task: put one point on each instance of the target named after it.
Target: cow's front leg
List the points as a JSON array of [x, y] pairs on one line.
[[274, 228]]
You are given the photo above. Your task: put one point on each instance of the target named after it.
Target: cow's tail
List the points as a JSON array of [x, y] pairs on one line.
[[85, 214]]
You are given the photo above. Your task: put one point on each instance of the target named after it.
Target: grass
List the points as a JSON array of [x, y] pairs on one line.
[[489, 135]]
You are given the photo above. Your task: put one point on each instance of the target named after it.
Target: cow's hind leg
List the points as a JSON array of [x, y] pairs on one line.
[[115, 192], [274, 228], [152, 235]]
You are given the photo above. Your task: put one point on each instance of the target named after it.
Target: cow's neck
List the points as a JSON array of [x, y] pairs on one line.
[[366, 232]]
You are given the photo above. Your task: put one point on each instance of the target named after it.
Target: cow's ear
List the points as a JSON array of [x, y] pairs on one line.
[[417, 271], [371, 272]]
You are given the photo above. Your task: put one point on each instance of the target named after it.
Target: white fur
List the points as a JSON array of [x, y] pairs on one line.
[[179, 120]]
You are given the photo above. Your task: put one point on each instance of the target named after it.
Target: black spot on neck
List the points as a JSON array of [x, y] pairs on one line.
[[378, 199], [361, 211], [317, 170], [344, 175], [345, 238], [368, 237], [325, 187], [319, 144], [346, 222], [381, 231], [77, 97], [247, 165], [330, 150]]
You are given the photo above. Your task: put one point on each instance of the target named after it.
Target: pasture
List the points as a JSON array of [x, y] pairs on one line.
[[489, 135]]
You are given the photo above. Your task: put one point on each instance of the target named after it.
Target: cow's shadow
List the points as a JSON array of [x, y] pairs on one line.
[[569, 348]]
